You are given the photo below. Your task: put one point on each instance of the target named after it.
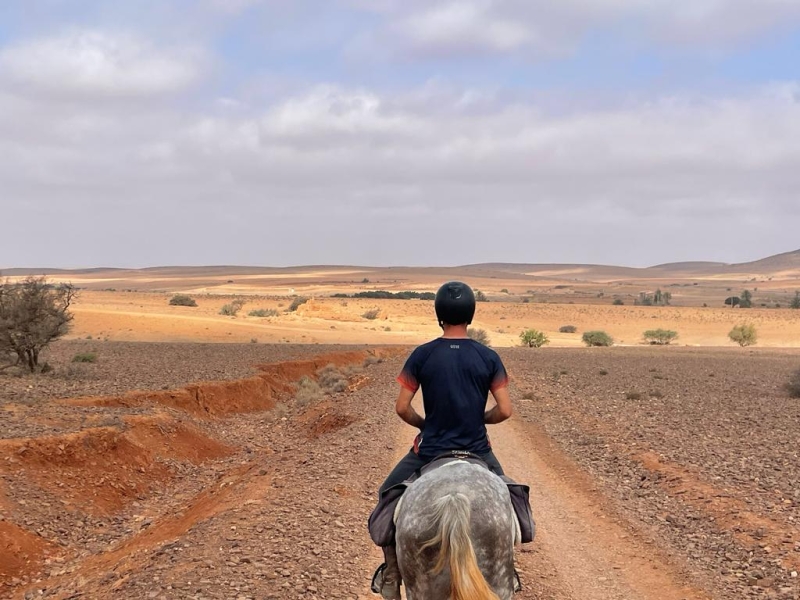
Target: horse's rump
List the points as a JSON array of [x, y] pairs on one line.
[[455, 529]]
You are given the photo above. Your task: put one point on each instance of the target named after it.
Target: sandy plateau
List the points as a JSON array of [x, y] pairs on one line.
[[187, 462]]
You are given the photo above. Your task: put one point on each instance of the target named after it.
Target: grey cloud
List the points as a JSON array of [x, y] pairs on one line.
[[355, 167]]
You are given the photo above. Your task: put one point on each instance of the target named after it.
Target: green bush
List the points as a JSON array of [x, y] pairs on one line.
[[795, 302], [296, 303], [567, 329], [182, 300], [85, 357], [371, 314], [533, 338], [479, 335], [660, 337], [618, 302], [744, 334], [597, 338], [263, 312]]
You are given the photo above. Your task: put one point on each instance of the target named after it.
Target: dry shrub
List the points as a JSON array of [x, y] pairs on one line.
[[372, 314], [479, 335], [372, 360], [331, 379], [632, 395], [308, 392], [296, 303], [263, 312], [567, 329]]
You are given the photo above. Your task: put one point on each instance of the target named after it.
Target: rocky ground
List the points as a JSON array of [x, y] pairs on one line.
[[700, 480]]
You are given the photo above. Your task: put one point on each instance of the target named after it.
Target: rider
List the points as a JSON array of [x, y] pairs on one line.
[[456, 375]]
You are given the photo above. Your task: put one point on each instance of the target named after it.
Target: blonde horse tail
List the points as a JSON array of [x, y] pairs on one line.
[[452, 512]]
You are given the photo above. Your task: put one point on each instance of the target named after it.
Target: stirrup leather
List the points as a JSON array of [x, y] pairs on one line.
[[517, 583]]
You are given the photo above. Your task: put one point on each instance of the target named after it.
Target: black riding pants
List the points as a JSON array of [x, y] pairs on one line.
[[411, 462]]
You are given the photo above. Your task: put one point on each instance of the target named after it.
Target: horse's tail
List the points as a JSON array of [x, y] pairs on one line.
[[452, 512]]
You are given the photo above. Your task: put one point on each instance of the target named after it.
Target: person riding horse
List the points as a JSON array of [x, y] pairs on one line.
[[456, 375]]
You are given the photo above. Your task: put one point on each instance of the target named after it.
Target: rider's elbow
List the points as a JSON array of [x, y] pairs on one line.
[[505, 412]]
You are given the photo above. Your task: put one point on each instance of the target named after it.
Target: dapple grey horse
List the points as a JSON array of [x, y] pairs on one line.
[[456, 530]]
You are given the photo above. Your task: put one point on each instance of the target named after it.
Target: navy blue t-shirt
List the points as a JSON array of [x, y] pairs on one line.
[[456, 376]]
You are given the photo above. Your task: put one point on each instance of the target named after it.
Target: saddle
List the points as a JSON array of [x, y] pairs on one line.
[[381, 521]]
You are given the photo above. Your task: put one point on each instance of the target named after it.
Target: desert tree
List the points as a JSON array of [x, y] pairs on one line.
[[746, 300], [533, 338], [33, 313]]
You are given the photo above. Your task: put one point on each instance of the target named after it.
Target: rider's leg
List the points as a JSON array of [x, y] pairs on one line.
[[494, 465], [402, 471], [390, 580]]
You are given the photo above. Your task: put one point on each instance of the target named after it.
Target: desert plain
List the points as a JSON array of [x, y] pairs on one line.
[[202, 456]]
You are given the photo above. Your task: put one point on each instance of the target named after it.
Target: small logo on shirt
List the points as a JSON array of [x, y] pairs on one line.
[[454, 346]]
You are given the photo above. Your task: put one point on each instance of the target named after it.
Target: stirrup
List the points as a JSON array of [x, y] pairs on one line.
[[377, 579], [517, 583]]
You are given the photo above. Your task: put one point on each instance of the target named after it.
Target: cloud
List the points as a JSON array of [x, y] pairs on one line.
[[357, 166], [97, 63], [545, 28]]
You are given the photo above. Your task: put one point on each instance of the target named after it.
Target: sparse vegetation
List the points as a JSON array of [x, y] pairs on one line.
[[296, 303], [657, 298], [253, 340], [794, 302], [603, 372], [182, 300], [33, 313], [793, 385], [308, 392], [263, 312], [480, 296], [372, 360], [631, 395], [371, 314], [744, 334], [231, 309], [331, 379], [655, 394], [479, 335], [660, 337], [567, 329], [384, 295], [618, 302], [85, 357], [533, 338], [746, 300], [597, 338]]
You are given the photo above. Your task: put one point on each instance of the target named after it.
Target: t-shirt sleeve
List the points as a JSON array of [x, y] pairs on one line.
[[499, 376], [409, 376]]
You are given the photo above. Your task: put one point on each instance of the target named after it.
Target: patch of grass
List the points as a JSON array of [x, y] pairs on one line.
[[603, 372], [182, 300], [597, 338], [567, 329], [631, 395], [479, 335], [85, 357], [263, 312]]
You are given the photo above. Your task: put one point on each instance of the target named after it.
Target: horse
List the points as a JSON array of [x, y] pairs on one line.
[[456, 531]]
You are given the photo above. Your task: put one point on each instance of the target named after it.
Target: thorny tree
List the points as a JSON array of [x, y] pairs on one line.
[[33, 313]]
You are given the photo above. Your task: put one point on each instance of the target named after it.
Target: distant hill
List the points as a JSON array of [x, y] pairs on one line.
[[785, 266]]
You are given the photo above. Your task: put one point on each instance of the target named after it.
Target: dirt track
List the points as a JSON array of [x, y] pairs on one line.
[[272, 503]]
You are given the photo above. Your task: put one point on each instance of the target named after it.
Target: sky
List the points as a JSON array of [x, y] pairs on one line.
[[397, 132]]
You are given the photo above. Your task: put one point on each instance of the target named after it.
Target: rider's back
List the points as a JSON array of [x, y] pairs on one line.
[[456, 375]]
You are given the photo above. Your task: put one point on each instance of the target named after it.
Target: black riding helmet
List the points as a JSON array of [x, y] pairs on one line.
[[455, 303]]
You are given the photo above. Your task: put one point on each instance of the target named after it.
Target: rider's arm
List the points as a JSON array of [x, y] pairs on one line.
[[500, 412], [405, 411]]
